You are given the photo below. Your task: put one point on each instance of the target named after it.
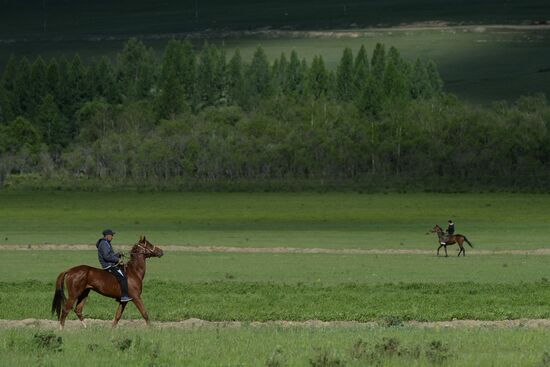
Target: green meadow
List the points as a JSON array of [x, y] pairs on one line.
[[284, 268], [329, 220]]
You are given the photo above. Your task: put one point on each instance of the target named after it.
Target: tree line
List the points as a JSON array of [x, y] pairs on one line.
[[201, 115]]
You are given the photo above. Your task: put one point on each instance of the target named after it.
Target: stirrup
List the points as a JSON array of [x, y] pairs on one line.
[[125, 299]]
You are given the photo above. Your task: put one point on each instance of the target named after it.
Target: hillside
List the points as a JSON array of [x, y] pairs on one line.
[[76, 19]]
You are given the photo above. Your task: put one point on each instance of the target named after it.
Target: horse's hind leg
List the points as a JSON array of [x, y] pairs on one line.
[[446, 254], [65, 311], [461, 250], [80, 305]]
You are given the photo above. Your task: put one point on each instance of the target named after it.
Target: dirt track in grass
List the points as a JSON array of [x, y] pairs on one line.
[[197, 323]]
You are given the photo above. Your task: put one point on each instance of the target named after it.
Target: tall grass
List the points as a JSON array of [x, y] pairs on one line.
[[276, 346], [251, 301]]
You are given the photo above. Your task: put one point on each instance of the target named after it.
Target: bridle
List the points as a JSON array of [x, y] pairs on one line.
[[437, 229], [145, 248]]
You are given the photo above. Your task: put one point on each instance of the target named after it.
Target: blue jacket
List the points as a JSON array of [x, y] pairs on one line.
[[107, 257]]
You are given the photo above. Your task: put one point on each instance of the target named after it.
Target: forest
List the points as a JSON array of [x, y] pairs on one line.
[[197, 118]]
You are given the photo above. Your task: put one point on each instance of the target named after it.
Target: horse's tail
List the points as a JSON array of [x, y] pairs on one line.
[[469, 243], [59, 296]]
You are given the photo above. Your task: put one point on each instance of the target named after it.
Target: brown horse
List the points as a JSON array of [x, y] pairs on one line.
[[451, 240], [82, 279]]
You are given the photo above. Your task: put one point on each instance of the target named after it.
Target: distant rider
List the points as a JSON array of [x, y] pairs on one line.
[[448, 232], [110, 261]]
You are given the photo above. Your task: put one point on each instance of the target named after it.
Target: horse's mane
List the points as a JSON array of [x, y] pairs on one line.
[[133, 253]]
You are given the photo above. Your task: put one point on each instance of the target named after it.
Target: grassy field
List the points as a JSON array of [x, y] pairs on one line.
[[326, 269], [387, 288], [276, 346], [333, 220], [479, 64]]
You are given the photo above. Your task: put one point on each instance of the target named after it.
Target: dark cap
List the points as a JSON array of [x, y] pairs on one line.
[[108, 232]]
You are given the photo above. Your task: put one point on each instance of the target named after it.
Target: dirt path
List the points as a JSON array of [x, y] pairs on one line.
[[357, 33], [281, 250], [197, 323], [268, 32]]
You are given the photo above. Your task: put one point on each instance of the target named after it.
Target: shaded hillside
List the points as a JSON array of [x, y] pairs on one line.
[[73, 19]]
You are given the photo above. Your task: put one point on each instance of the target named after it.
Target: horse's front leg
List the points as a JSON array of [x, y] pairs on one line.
[[119, 311], [440, 246], [141, 308], [446, 254]]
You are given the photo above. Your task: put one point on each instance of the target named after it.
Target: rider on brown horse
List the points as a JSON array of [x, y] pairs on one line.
[[82, 279], [450, 239], [111, 262]]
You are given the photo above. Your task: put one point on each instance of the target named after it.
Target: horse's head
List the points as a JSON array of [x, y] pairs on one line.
[[436, 229], [146, 248]]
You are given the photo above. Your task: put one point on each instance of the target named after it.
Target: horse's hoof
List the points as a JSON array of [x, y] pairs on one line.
[[84, 324]]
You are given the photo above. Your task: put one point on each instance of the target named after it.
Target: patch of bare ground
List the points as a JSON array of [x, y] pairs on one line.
[[198, 323], [275, 250], [361, 32], [353, 32]]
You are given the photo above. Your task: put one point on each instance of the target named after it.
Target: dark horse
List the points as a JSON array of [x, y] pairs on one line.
[[82, 279], [451, 240]]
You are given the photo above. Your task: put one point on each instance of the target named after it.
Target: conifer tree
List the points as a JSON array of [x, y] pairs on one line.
[[23, 87], [360, 71], [8, 82], [378, 61], [395, 77], [258, 76], [39, 82], [52, 77], [210, 76], [188, 72], [420, 83], [295, 79], [6, 112], [63, 95], [104, 83], [344, 76], [136, 69], [9, 76], [77, 82], [279, 73], [318, 78], [170, 98], [235, 79]]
